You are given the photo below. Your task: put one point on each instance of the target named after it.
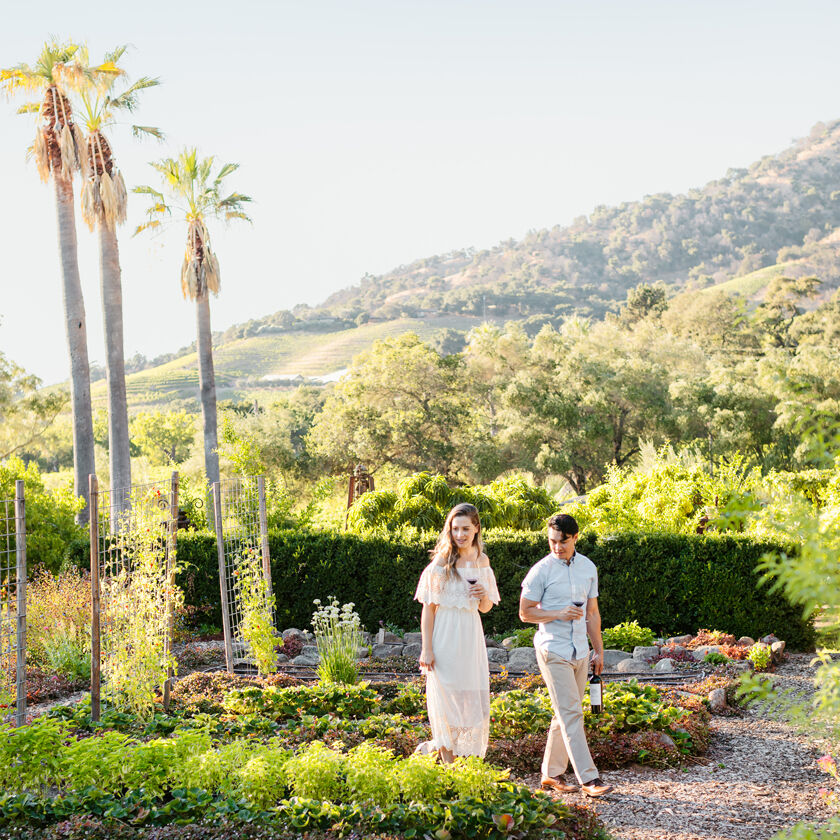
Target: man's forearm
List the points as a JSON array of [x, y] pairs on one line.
[[537, 615]]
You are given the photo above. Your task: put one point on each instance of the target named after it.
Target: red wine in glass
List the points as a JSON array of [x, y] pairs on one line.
[[472, 581]]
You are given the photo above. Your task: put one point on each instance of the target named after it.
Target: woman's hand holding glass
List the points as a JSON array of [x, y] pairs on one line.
[[477, 591]]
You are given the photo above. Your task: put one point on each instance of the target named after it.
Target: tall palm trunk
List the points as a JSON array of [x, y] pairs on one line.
[[74, 312], [207, 386], [111, 287]]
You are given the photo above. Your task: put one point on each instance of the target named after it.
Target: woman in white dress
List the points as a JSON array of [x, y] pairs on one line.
[[454, 588]]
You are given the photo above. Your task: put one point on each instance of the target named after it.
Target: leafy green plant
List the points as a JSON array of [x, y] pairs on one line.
[[346, 701], [715, 658], [369, 771], [626, 636], [524, 636], [472, 777], [410, 700], [761, 656], [316, 772], [134, 603], [69, 657], [257, 608], [515, 713], [338, 636]]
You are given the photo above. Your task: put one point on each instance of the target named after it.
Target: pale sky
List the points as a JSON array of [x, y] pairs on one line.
[[373, 133]]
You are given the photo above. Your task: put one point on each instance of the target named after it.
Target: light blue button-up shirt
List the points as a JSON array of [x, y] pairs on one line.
[[549, 583]]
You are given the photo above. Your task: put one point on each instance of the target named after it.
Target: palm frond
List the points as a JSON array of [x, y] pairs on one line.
[[146, 226], [238, 214], [116, 54], [29, 108], [226, 170], [145, 190], [152, 131]]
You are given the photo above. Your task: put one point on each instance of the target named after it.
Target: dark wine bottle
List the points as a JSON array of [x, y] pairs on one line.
[[595, 694]]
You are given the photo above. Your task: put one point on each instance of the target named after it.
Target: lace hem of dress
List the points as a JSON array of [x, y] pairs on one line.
[[462, 740]]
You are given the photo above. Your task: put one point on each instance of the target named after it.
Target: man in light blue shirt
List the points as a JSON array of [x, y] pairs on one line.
[[560, 593]]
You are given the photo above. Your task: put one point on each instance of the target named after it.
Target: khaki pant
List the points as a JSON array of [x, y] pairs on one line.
[[566, 683]]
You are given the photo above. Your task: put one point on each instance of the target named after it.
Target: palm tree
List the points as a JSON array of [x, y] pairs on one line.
[[58, 150], [192, 192], [104, 207]]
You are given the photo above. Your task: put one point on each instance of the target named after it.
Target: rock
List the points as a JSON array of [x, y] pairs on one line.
[[386, 637], [679, 640], [641, 653], [308, 638], [413, 638], [777, 649], [306, 660], [666, 740], [674, 650], [281, 658], [743, 665], [699, 653], [745, 641], [664, 666], [367, 638], [490, 642], [509, 642], [612, 657], [292, 633], [362, 652], [387, 651], [717, 701], [768, 640], [523, 659], [499, 655], [632, 666], [412, 651], [495, 667], [309, 650]]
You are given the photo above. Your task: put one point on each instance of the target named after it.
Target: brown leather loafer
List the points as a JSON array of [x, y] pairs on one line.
[[557, 784], [595, 787]]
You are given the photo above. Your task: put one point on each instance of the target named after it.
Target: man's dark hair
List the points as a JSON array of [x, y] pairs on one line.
[[565, 524]]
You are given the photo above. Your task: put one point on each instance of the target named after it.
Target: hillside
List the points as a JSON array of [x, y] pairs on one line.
[[779, 216], [252, 366]]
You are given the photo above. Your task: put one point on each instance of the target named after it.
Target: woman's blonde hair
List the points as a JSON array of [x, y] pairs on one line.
[[445, 546]]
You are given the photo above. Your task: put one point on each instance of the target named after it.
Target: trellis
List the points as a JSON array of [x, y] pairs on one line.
[[120, 519], [241, 526], [13, 598]]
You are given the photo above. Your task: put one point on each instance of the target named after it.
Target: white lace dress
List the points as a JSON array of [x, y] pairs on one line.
[[458, 686]]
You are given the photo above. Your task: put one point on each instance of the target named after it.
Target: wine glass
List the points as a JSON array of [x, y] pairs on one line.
[[578, 595]]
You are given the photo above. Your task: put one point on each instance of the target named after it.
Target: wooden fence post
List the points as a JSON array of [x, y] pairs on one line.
[[170, 583], [266, 558], [220, 546], [95, 652], [20, 550]]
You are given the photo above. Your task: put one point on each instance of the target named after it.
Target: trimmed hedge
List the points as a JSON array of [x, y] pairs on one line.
[[672, 583]]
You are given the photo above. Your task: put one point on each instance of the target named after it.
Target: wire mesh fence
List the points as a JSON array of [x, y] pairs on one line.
[[133, 594], [242, 540], [13, 606]]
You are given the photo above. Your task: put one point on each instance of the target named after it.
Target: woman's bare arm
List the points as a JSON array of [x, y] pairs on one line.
[[427, 627]]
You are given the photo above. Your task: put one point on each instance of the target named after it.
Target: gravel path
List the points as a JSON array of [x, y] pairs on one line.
[[758, 777]]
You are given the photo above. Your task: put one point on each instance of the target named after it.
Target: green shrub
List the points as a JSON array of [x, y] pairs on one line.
[[516, 713], [524, 636], [316, 772], [668, 582], [761, 656], [715, 658], [346, 701], [51, 529], [370, 771], [419, 779], [626, 636], [423, 500]]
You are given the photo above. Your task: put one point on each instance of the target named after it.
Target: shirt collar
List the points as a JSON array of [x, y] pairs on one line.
[[563, 562]]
